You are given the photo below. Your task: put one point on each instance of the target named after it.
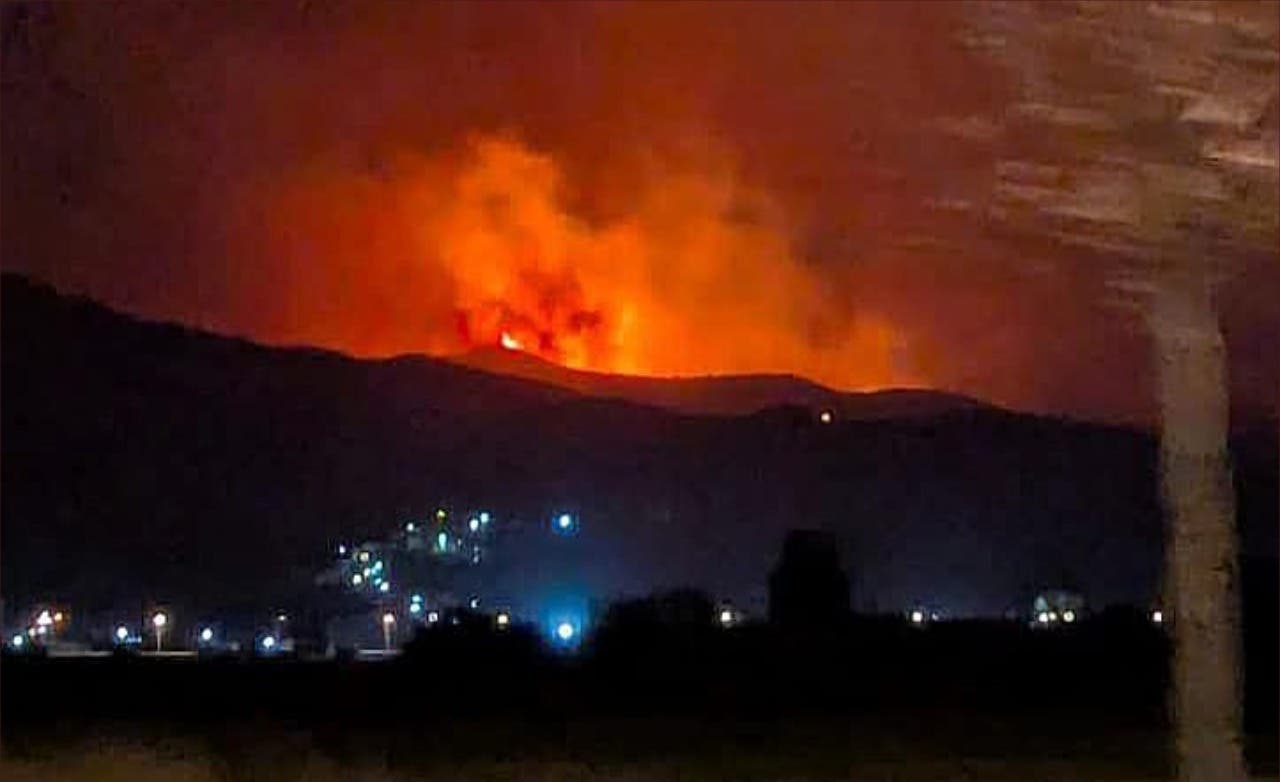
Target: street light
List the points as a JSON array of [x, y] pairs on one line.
[[159, 620], [122, 634], [502, 619], [726, 617], [1157, 616], [388, 622], [206, 635], [917, 617], [565, 631]]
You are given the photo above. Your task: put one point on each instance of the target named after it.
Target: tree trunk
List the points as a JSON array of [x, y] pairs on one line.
[[1202, 550]]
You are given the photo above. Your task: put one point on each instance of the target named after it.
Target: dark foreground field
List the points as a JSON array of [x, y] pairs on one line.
[[886, 703]]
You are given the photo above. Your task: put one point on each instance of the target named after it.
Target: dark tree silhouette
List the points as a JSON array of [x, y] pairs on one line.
[[808, 589]]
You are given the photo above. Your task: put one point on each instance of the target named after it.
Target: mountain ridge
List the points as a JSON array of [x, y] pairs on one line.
[[152, 462]]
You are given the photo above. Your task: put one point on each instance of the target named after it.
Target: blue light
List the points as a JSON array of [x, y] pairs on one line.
[[18, 640], [415, 608], [564, 524], [377, 566], [442, 541], [268, 643], [384, 587], [484, 517], [473, 525], [565, 631], [416, 598]]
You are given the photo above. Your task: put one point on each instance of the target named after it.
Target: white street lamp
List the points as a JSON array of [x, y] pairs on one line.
[[159, 620], [388, 623]]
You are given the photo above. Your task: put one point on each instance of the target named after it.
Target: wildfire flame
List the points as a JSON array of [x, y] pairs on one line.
[[698, 276], [510, 343]]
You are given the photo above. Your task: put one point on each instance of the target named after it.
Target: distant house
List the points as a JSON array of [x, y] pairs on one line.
[[1056, 607]]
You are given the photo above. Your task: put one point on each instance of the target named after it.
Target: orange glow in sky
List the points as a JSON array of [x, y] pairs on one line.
[[478, 249]]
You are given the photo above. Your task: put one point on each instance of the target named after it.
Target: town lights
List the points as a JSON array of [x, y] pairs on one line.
[[384, 587], [357, 579], [268, 643], [1069, 616], [726, 617], [484, 517], [206, 635], [410, 526], [917, 617], [433, 617], [1157, 617], [44, 619], [415, 608], [442, 541], [17, 641], [502, 620], [1043, 617], [473, 524], [122, 634], [565, 631], [826, 416]]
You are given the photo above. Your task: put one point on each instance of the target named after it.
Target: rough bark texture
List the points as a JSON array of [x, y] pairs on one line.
[[1202, 556]]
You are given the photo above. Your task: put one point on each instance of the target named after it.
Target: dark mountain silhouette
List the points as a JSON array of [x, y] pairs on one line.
[[145, 461], [719, 395]]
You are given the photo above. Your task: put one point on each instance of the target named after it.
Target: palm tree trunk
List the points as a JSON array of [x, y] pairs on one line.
[[1202, 551]]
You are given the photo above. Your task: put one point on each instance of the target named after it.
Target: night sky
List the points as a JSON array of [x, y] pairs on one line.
[[659, 189]]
